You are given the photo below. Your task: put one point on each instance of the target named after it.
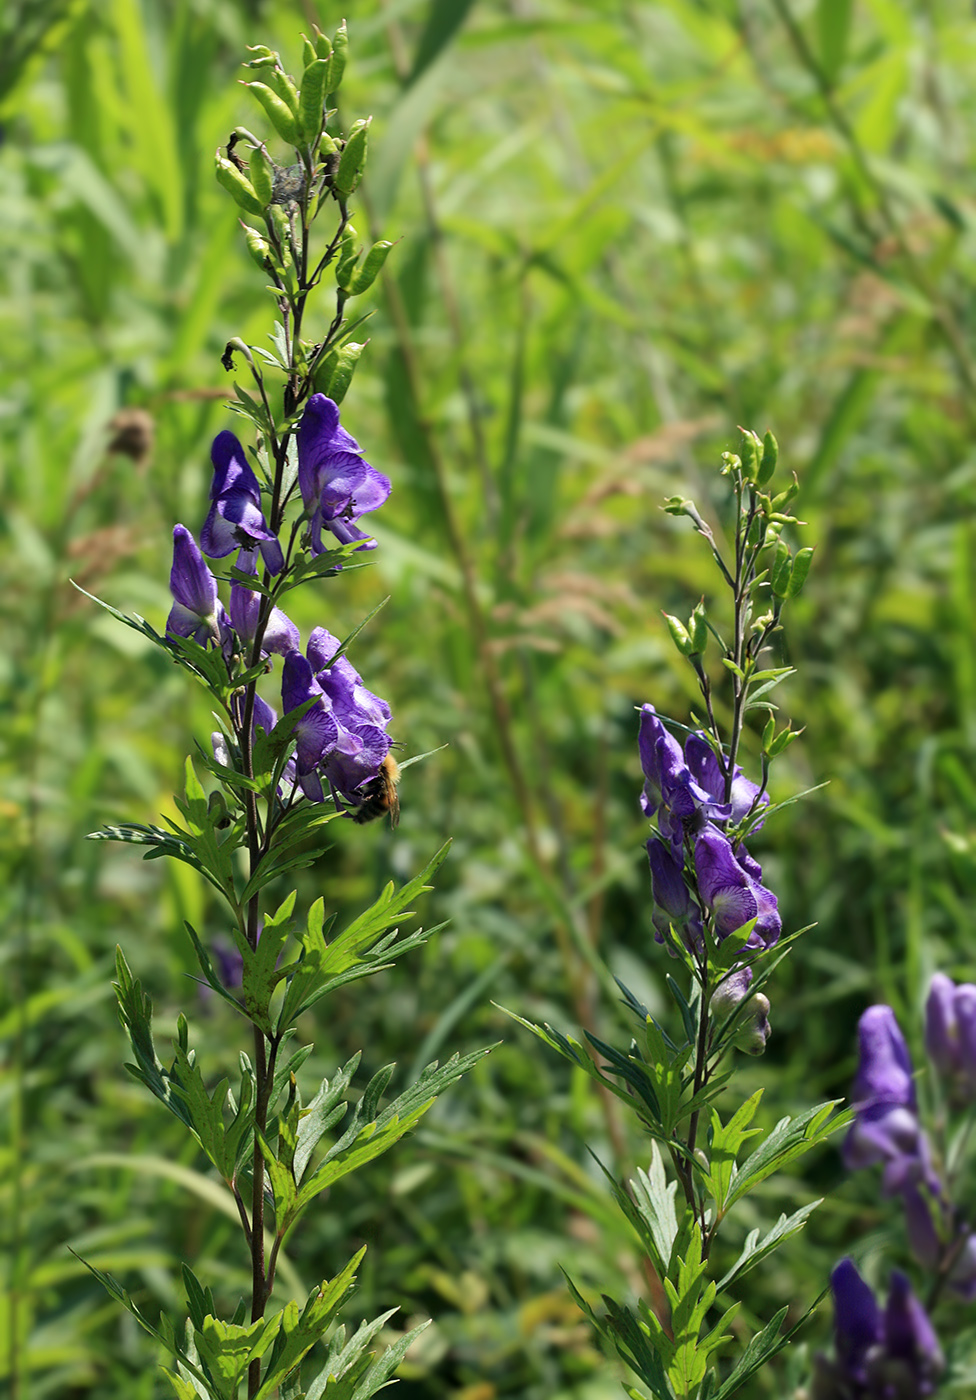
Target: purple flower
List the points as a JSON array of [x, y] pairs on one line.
[[280, 634], [889, 1355], [732, 893], [950, 1035], [670, 793], [337, 484], [316, 732], [361, 716], [886, 1128], [673, 905], [235, 520], [707, 773], [196, 610]]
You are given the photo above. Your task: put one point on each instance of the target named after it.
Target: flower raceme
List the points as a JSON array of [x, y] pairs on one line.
[[340, 736], [892, 1354], [685, 792]]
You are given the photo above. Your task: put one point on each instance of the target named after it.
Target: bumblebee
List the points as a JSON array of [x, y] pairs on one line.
[[380, 794]]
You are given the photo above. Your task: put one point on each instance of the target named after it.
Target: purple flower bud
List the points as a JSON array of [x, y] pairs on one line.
[[752, 1030], [910, 1343], [337, 484], [235, 520], [673, 905], [950, 1035], [196, 610], [857, 1320], [669, 791], [362, 717]]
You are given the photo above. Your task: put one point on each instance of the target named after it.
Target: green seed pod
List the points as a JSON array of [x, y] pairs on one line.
[[281, 83], [263, 57], [770, 456], [282, 117], [313, 97], [258, 247], [237, 185], [769, 733], [343, 368], [323, 45], [262, 175], [340, 52], [698, 630], [801, 567], [750, 454], [327, 147], [353, 159], [348, 256], [679, 634], [781, 572], [308, 53], [371, 268]]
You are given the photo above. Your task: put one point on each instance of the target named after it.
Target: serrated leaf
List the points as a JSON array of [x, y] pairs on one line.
[[726, 1139], [361, 1143], [790, 1139], [300, 1331]]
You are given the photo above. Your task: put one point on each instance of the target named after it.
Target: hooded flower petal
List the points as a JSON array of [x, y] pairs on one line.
[[337, 484], [316, 731], [909, 1338], [857, 1319], [730, 892], [950, 1035], [704, 767], [673, 905], [196, 611], [235, 519]]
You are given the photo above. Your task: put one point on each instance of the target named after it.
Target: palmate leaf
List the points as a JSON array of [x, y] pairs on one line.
[[724, 1144], [790, 1139], [365, 1140], [357, 950], [630, 1341], [135, 1010]]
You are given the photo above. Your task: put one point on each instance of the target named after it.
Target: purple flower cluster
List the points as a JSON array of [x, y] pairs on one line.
[[887, 1131], [685, 792], [892, 1354], [340, 738]]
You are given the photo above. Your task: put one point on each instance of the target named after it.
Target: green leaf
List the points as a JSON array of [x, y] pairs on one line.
[[164, 1332], [363, 1141], [300, 1331], [724, 1146], [227, 1349], [635, 1344], [221, 1143], [833, 28], [135, 1010], [355, 952], [762, 1348], [790, 1139], [755, 1249]]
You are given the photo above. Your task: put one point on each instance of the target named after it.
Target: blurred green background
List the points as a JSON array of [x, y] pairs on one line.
[[624, 228]]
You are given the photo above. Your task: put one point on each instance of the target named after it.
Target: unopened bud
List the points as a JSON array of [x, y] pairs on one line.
[[753, 1030]]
